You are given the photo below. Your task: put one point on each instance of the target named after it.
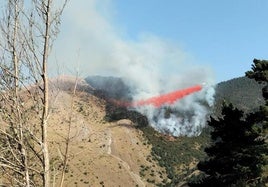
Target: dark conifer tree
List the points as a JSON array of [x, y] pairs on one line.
[[236, 156], [238, 152], [259, 70]]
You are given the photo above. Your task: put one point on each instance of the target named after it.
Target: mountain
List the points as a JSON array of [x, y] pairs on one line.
[[112, 146], [179, 155], [102, 152], [242, 92]]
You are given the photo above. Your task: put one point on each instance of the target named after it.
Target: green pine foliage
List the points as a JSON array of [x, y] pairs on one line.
[[259, 70], [237, 154]]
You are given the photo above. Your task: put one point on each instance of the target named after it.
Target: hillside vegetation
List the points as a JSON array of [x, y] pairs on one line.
[[244, 93], [179, 156], [113, 146]]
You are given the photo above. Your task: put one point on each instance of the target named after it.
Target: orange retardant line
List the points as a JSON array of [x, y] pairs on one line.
[[168, 98]]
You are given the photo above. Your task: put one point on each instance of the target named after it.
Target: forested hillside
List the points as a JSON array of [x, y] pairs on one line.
[[242, 92]]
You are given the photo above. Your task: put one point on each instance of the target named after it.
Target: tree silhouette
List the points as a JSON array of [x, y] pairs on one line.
[[259, 70], [236, 156], [238, 151]]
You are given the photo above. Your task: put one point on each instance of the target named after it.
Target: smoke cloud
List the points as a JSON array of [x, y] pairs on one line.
[[92, 42], [187, 117]]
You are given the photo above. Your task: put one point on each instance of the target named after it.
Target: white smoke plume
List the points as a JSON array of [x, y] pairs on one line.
[[187, 117], [150, 64]]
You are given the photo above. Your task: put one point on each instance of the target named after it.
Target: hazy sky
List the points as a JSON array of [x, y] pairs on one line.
[[226, 35], [222, 35]]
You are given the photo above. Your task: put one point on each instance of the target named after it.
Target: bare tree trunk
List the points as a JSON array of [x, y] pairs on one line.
[[16, 101], [14, 53], [45, 90], [68, 138]]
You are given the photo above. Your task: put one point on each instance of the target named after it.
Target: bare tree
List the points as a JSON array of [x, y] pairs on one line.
[[28, 31], [69, 137], [10, 78]]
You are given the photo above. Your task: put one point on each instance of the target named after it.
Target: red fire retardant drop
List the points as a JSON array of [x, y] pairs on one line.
[[168, 98]]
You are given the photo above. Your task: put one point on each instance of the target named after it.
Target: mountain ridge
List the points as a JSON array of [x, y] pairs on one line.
[[113, 146]]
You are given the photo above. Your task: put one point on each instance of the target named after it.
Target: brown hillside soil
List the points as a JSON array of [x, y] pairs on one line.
[[101, 153]]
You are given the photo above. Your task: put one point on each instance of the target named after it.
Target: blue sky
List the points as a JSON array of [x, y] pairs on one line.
[[226, 35]]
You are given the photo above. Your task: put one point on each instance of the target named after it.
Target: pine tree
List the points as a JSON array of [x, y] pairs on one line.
[[238, 151], [236, 156], [259, 70]]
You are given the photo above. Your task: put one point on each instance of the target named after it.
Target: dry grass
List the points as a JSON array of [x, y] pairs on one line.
[[101, 153]]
